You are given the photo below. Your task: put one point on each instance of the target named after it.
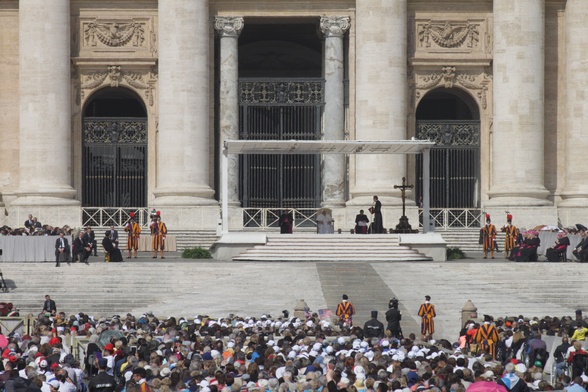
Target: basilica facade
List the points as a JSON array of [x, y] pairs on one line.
[[108, 107]]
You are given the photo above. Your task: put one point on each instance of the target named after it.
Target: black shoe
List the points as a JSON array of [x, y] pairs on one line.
[[57, 265], [96, 254]]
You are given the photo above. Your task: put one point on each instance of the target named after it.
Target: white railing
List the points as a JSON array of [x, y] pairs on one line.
[[265, 218], [445, 218], [113, 216]]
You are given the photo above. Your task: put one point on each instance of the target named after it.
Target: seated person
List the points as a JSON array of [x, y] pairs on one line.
[[528, 249], [581, 251], [81, 248], [560, 247], [361, 223], [324, 222], [111, 249]]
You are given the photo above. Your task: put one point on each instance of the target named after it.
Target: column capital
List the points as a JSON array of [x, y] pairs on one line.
[[228, 26], [334, 26]]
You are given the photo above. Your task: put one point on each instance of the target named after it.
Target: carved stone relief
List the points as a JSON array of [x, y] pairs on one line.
[[116, 76], [448, 34], [448, 77], [472, 36], [136, 34]]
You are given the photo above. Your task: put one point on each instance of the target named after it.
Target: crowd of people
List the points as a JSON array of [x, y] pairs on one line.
[[282, 354], [32, 227], [522, 245]]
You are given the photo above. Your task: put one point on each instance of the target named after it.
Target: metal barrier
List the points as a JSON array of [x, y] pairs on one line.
[[265, 218], [22, 324], [445, 218], [114, 216]]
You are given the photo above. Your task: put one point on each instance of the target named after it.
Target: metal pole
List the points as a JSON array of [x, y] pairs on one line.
[[426, 196], [225, 188]]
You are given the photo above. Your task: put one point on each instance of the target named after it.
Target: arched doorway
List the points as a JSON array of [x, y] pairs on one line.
[[114, 150], [451, 118]]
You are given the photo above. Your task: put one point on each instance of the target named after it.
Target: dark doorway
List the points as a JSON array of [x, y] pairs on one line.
[[114, 150], [451, 119], [281, 98]]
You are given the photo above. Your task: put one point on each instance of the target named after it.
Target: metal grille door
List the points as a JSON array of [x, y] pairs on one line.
[[280, 110], [454, 165], [114, 162]]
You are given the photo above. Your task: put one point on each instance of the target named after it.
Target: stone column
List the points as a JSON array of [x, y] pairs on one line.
[[183, 149], [333, 170], [519, 75], [381, 98], [45, 104], [228, 29], [575, 193]]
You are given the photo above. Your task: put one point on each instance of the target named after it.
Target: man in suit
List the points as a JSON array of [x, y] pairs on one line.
[[49, 306], [61, 249], [113, 235], [81, 248], [29, 223], [90, 238]]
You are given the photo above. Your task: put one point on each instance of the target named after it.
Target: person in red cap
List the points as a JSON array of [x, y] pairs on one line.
[[488, 237], [158, 234], [134, 232], [512, 235], [108, 354]]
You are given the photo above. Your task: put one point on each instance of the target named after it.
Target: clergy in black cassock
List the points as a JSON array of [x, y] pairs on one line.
[[111, 249]]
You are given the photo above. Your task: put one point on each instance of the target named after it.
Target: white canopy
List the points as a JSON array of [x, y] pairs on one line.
[[324, 147]]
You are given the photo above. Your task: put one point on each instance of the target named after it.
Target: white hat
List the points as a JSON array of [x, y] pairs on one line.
[[341, 340], [488, 374]]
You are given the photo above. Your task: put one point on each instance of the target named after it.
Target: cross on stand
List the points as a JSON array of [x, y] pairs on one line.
[[404, 226]]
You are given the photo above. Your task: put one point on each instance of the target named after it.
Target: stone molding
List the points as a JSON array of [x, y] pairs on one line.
[[334, 26], [448, 77], [228, 26]]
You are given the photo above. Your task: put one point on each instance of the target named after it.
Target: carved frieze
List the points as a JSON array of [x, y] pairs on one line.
[[114, 33], [116, 76], [448, 34], [131, 34], [448, 77]]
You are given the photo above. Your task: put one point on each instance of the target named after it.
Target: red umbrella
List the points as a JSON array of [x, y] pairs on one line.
[[3, 341], [485, 386]]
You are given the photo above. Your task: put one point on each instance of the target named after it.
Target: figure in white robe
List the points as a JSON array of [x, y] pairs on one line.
[[325, 223]]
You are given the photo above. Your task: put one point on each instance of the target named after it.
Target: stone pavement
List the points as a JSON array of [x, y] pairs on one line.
[[190, 287]]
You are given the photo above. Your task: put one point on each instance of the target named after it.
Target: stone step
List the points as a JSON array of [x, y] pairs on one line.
[[331, 247]]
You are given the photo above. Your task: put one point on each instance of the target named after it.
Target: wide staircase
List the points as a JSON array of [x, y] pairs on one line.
[[331, 247], [467, 239], [184, 238]]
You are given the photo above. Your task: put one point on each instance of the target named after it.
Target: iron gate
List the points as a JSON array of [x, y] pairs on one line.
[[114, 162], [280, 110], [454, 164]]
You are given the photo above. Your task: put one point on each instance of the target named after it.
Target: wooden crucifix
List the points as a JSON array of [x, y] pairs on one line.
[[403, 189]]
